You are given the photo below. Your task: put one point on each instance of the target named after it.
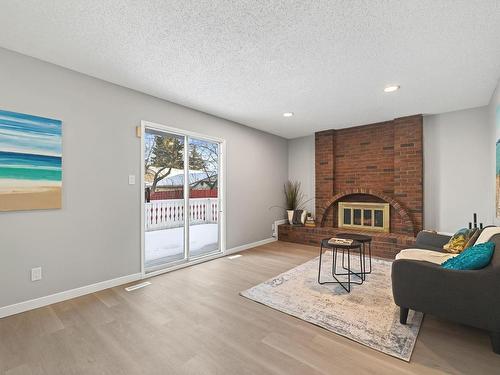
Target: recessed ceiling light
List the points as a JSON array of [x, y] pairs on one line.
[[288, 114], [391, 88]]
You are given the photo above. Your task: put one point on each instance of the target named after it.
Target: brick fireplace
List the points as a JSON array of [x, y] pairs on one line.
[[376, 163]]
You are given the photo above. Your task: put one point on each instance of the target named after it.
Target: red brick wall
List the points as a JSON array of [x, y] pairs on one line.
[[324, 168], [385, 245], [385, 157], [408, 166], [365, 158]]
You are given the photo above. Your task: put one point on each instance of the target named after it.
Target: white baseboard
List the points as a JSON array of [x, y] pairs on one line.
[[65, 295], [77, 292], [210, 257], [249, 246]]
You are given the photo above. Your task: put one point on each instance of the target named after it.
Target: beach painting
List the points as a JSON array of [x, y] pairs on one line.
[[30, 162], [497, 150]]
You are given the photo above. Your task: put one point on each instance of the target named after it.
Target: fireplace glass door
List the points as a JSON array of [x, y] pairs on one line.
[[366, 216]]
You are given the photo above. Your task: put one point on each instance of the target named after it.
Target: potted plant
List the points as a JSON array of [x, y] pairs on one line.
[[294, 200]]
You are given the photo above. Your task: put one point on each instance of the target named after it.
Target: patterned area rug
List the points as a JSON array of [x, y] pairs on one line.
[[367, 315]]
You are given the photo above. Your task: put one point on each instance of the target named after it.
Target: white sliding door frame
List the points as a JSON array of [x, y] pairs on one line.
[[221, 193]]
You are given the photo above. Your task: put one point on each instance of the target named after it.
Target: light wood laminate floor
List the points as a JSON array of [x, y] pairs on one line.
[[193, 321]]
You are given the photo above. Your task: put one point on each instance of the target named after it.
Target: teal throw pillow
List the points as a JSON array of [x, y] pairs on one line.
[[473, 258]]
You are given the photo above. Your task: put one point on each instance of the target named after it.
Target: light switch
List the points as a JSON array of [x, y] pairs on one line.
[[131, 179]]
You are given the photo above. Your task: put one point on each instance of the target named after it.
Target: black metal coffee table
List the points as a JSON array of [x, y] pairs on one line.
[[366, 241], [355, 245]]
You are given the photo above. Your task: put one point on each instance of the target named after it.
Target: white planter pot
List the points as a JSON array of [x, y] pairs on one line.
[[290, 216]]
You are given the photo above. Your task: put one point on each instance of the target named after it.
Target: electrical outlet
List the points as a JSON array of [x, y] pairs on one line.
[[36, 274], [131, 179]]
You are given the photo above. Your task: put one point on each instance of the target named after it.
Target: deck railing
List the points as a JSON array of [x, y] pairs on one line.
[[169, 213]]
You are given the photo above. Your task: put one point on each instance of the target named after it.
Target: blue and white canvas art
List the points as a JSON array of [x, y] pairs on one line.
[[498, 160], [30, 162]]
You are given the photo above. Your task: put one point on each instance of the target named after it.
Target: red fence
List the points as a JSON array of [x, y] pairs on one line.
[[178, 194]]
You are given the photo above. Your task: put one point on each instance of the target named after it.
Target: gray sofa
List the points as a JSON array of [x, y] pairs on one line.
[[467, 297]]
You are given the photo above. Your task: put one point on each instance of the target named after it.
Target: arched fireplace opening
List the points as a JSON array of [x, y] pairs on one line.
[[366, 210]]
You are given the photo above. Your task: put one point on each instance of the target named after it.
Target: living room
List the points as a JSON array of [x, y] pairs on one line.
[[249, 187]]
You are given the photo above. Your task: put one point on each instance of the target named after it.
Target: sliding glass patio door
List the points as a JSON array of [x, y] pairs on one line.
[[182, 200]]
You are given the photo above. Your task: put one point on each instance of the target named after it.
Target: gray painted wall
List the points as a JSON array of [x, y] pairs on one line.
[[301, 166], [96, 236], [457, 169]]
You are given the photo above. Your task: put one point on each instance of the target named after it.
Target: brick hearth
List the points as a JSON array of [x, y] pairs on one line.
[[385, 245]]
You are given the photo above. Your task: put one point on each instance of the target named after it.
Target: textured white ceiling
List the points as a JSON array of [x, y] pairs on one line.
[[250, 61]]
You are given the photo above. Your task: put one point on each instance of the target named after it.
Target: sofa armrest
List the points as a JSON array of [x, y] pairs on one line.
[[431, 241], [463, 296]]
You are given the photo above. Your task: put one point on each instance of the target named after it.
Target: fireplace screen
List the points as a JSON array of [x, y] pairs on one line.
[[370, 216]]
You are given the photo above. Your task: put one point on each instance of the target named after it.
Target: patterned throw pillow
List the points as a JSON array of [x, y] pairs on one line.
[[461, 240]]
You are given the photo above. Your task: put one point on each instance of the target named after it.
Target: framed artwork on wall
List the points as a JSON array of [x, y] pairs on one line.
[[30, 162], [497, 150]]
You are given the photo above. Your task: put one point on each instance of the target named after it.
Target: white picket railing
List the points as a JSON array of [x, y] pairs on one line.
[[169, 213]]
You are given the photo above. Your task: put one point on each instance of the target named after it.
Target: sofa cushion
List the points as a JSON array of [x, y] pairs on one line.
[[425, 255], [473, 258], [431, 241]]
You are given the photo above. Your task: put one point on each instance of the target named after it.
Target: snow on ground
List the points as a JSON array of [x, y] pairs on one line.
[[170, 242]]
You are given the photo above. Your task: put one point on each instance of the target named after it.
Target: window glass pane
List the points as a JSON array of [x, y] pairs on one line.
[[203, 197], [379, 218], [347, 216], [357, 216], [164, 198], [367, 218]]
